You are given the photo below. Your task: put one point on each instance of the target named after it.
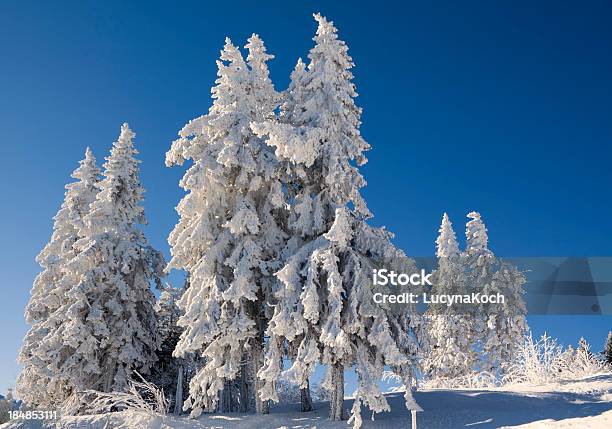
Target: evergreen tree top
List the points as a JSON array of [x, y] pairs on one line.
[[446, 244], [326, 29], [232, 72], [258, 55], [119, 200], [476, 235], [87, 171]]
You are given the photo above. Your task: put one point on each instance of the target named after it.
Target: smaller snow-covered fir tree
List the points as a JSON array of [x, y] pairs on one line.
[[499, 330], [451, 356], [608, 349], [585, 363], [506, 324], [109, 326], [479, 264], [38, 383]]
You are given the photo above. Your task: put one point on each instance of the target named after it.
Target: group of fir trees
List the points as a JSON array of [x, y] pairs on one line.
[[273, 235], [274, 238], [91, 308], [467, 340]]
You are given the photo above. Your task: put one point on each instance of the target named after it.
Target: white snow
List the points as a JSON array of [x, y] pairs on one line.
[[585, 403]]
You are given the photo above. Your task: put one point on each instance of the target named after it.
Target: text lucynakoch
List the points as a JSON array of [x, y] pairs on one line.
[[448, 300]]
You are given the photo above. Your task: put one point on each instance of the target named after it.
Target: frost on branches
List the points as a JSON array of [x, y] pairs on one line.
[[230, 231], [108, 324], [451, 356], [607, 353], [324, 306], [49, 301], [476, 342], [498, 334], [543, 361]]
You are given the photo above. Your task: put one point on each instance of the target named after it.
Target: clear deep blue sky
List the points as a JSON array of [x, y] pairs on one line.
[[502, 107]]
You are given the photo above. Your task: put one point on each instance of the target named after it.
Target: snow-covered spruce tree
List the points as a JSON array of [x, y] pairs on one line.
[[608, 349], [480, 266], [230, 232], [108, 329], [324, 303], [499, 329], [450, 357], [36, 384], [585, 362], [507, 324]]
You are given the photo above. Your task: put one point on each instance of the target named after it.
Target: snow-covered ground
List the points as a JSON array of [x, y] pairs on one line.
[[586, 403]]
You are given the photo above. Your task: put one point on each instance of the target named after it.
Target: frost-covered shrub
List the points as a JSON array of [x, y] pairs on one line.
[[544, 361], [537, 362], [139, 396], [472, 380]]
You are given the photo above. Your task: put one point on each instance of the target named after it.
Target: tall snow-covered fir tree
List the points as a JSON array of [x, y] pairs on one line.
[[230, 231], [500, 330], [451, 356], [108, 325], [324, 302], [36, 384]]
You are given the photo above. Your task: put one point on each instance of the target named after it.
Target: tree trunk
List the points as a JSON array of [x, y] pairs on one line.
[[178, 396], [305, 398], [225, 404], [244, 384], [109, 379], [261, 407], [336, 409]]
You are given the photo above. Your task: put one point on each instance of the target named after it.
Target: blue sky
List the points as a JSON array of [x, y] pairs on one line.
[[501, 107]]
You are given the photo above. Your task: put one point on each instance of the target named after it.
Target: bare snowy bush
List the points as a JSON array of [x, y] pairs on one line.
[[537, 362], [473, 380], [140, 396], [544, 361]]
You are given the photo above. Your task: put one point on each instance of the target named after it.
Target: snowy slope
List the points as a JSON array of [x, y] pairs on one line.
[[581, 404]]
